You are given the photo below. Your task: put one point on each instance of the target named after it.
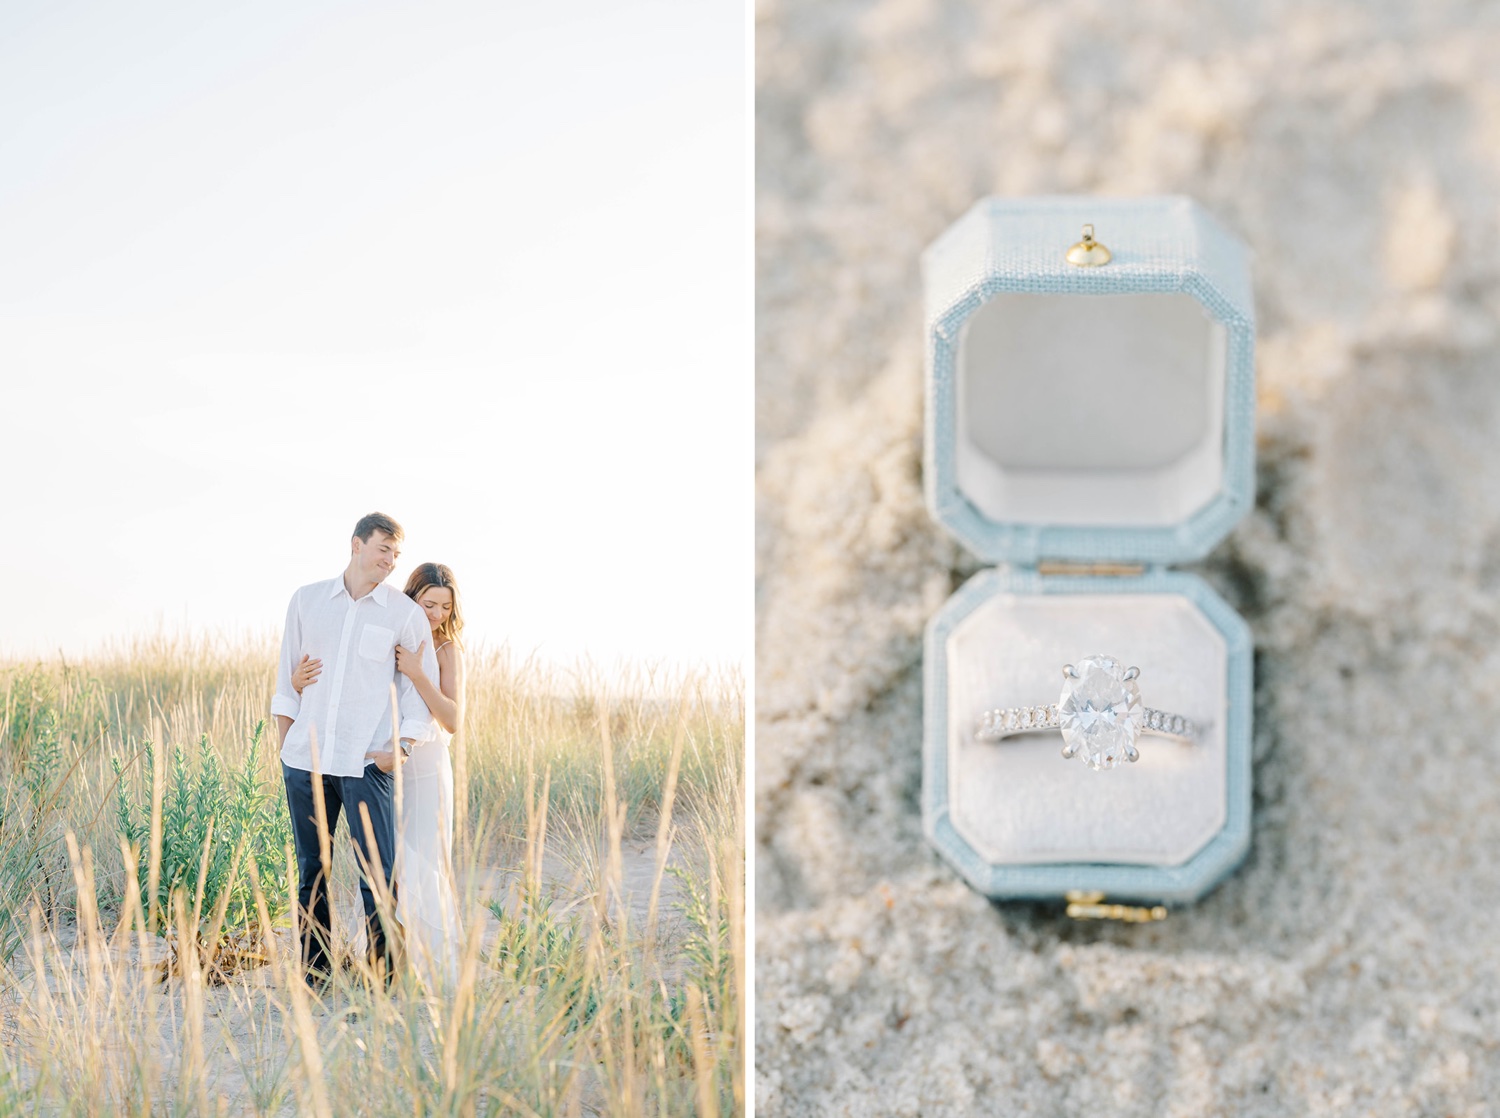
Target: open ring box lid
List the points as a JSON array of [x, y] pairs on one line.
[[1098, 422]]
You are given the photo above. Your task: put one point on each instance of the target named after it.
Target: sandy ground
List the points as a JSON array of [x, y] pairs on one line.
[[1350, 966]]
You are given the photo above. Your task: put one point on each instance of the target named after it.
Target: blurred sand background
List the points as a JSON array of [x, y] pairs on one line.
[[1352, 965]]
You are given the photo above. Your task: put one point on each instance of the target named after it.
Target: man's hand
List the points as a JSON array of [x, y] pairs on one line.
[[387, 761]]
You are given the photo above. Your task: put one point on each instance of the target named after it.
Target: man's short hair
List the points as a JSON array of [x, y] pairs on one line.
[[377, 522]]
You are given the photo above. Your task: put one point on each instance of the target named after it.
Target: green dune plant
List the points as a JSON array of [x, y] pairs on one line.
[[199, 825]]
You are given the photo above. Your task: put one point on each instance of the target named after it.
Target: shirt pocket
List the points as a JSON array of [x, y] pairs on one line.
[[376, 642]]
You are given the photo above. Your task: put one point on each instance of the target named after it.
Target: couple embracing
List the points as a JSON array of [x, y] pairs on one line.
[[351, 646]]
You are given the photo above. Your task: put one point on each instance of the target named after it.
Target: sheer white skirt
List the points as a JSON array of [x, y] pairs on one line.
[[426, 899]]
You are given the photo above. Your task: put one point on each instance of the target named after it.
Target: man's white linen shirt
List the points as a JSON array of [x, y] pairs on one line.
[[349, 704]]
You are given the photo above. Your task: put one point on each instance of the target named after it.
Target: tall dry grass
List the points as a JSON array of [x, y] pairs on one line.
[[600, 857]]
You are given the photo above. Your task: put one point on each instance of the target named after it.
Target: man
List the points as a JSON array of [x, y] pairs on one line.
[[339, 731]]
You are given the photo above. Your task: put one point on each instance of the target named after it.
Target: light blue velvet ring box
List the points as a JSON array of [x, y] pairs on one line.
[[1087, 427]]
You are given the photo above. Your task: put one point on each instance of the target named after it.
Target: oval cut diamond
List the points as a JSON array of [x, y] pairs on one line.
[[1100, 711]]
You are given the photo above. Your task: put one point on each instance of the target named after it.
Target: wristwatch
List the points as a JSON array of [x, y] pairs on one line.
[[405, 747]]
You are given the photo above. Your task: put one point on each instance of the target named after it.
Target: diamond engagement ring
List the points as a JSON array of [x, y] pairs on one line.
[[1100, 715]]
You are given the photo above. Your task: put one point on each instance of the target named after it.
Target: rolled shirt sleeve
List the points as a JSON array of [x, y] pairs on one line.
[[417, 722], [286, 701]]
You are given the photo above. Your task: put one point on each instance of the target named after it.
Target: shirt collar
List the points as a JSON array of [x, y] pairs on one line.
[[381, 593]]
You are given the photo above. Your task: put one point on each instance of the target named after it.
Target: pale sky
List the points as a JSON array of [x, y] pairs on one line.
[[484, 266]]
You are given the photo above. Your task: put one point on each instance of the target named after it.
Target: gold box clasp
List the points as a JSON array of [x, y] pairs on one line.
[[1088, 253], [1091, 906], [1115, 570]]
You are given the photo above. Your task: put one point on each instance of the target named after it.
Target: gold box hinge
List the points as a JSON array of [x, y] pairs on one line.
[[1119, 570], [1091, 906]]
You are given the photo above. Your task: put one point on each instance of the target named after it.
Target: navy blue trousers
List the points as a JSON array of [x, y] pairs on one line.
[[341, 794]]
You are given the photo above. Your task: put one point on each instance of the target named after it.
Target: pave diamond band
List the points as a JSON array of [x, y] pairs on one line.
[[1099, 713], [1001, 723], [1006, 721]]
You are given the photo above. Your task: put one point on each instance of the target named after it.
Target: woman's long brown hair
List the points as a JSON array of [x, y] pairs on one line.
[[436, 574]]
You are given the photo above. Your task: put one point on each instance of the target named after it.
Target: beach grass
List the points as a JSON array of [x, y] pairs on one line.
[[600, 855]]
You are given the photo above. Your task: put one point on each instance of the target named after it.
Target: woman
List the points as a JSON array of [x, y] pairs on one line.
[[426, 899]]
